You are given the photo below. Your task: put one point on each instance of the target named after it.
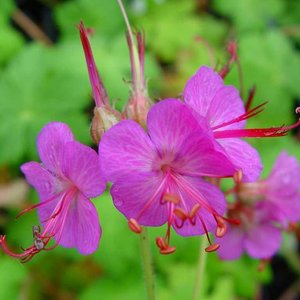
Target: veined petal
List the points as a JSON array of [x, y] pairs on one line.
[[225, 106], [41, 179], [194, 191], [81, 228], [244, 157], [138, 196], [169, 123], [50, 143], [263, 241], [201, 88], [232, 243], [200, 155], [284, 179], [125, 148], [80, 164]]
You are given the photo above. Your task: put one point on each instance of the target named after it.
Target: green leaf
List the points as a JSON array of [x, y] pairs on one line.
[[104, 17], [12, 276], [10, 42], [37, 88], [167, 35], [252, 15]]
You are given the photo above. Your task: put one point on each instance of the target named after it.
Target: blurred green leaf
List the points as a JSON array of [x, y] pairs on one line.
[[252, 15], [104, 17], [10, 41], [37, 88], [12, 277]]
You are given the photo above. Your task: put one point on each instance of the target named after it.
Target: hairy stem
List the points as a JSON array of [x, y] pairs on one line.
[[198, 285], [147, 265]]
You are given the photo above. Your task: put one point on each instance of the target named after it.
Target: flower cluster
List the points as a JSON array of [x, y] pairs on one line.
[[264, 208], [162, 160]]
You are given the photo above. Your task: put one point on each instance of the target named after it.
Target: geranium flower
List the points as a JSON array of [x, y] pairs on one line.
[[224, 111], [157, 175], [280, 189], [257, 233], [262, 208], [67, 178]]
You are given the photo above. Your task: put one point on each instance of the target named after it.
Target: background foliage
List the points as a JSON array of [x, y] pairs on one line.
[[47, 81]]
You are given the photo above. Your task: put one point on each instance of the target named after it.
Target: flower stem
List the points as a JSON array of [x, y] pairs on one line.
[[198, 285], [147, 265]]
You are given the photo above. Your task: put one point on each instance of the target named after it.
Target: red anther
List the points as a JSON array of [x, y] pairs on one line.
[[168, 250], [134, 225], [212, 248], [221, 230], [194, 210], [171, 198], [238, 176], [180, 213], [161, 243]]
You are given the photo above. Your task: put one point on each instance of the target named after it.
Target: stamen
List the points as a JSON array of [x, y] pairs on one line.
[[161, 243], [38, 205], [194, 210], [221, 226], [169, 250], [151, 200], [255, 132], [238, 176], [247, 115], [134, 226], [212, 248], [171, 198], [180, 213], [164, 247]]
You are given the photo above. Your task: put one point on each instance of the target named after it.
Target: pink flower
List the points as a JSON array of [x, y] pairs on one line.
[[157, 175], [67, 178], [257, 234], [262, 208], [224, 111], [280, 189]]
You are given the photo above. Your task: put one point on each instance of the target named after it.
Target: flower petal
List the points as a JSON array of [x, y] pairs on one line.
[[244, 157], [200, 155], [82, 228], [194, 191], [125, 148], [263, 241], [284, 179], [201, 88], [41, 179], [170, 122], [226, 106], [80, 164], [232, 243], [50, 144], [206, 93], [138, 196]]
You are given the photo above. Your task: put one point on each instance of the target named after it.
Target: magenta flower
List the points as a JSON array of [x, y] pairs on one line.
[[67, 178], [257, 234], [157, 175], [280, 189], [224, 111]]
